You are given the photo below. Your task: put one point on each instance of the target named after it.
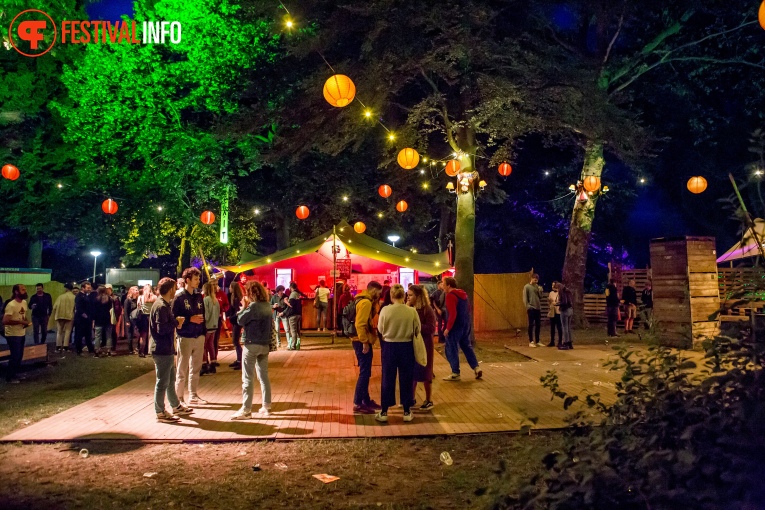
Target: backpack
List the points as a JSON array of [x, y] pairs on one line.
[[349, 317]]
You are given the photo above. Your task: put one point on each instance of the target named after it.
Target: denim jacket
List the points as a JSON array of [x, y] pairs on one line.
[[257, 323]]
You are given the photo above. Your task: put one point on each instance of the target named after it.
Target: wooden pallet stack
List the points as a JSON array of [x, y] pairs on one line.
[[685, 289]]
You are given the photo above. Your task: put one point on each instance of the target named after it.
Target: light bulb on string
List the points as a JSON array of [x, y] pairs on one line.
[[367, 113], [391, 137]]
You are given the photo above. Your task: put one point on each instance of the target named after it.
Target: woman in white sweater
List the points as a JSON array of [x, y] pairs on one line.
[[398, 324]]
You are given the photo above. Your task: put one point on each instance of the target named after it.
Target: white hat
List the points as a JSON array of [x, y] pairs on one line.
[[108, 286]]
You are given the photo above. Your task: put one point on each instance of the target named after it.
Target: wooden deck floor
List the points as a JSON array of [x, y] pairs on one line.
[[312, 392]]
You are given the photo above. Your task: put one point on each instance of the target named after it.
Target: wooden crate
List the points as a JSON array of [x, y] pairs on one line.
[[685, 289]]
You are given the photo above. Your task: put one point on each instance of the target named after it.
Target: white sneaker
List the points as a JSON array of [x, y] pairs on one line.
[[265, 411], [196, 400], [532, 344], [165, 417], [379, 416], [182, 410], [241, 415], [452, 377], [408, 416]]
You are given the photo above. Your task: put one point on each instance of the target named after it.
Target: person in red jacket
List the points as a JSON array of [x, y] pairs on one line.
[[458, 330]]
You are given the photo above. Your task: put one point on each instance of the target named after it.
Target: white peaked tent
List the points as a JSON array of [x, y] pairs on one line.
[[747, 247]]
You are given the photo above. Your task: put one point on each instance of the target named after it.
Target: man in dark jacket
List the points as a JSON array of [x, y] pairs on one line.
[[83, 320], [438, 301], [457, 332], [612, 307], [41, 304], [162, 325], [191, 336]]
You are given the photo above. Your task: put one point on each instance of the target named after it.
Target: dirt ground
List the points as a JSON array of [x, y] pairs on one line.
[[373, 473]]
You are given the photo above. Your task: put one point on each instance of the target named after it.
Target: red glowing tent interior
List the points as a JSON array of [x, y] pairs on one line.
[[313, 258]]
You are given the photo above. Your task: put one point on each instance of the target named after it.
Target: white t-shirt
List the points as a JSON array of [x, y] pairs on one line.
[[323, 293], [18, 312]]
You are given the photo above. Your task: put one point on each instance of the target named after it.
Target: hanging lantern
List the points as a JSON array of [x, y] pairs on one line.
[[505, 169], [697, 184], [109, 206], [359, 227], [10, 172], [384, 191], [452, 168], [339, 90], [207, 217], [402, 206], [591, 183], [302, 212], [408, 158], [761, 15]]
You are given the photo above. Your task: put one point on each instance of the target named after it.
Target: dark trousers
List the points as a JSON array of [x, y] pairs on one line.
[[397, 357], [131, 330], [555, 323], [535, 323], [16, 346], [83, 331], [613, 315], [441, 327], [40, 329], [216, 340], [237, 338], [361, 395]]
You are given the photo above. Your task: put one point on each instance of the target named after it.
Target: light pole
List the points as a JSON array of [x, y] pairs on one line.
[[393, 239], [95, 254]]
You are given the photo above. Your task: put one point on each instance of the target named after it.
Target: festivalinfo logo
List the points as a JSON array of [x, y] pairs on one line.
[[33, 33]]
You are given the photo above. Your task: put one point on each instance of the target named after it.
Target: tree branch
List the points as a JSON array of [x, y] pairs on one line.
[[613, 39], [444, 112]]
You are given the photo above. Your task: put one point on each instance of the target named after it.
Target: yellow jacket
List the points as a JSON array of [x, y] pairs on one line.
[[366, 315], [63, 309]]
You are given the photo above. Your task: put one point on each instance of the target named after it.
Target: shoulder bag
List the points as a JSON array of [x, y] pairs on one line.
[[420, 354]]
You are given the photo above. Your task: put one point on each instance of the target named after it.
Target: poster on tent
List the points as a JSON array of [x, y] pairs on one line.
[[360, 281], [344, 269]]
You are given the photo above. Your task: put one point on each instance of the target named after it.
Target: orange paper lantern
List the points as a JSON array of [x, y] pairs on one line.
[[359, 227], [761, 15], [408, 158], [452, 168], [302, 212], [207, 217], [402, 206], [384, 191], [10, 172], [505, 169], [109, 206], [697, 184], [339, 90], [591, 183]]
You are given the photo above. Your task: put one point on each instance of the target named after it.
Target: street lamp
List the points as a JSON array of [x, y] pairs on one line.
[[393, 239], [95, 254]]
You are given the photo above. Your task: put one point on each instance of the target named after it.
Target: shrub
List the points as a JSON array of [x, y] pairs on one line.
[[677, 436]]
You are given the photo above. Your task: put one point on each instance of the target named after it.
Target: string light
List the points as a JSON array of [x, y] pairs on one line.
[[159, 208], [257, 211], [391, 137], [345, 199], [289, 23], [367, 113], [425, 185], [59, 185]]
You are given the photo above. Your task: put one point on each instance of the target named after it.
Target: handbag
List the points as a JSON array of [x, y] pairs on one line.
[[112, 316], [420, 354]]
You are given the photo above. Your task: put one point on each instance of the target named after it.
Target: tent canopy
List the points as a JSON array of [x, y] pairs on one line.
[[747, 247], [356, 244]]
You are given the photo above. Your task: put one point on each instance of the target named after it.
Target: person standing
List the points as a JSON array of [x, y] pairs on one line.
[[646, 297], [63, 314], [532, 300], [417, 298], [117, 312], [15, 322], [629, 296], [41, 305], [83, 322], [144, 304], [438, 299], [384, 295], [295, 315], [345, 298], [256, 319], [553, 313], [565, 303], [181, 283], [278, 308], [222, 299], [235, 296], [102, 319], [212, 319], [129, 311], [363, 336], [612, 307], [398, 324], [322, 305], [191, 337], [458, 330], [162, 325]]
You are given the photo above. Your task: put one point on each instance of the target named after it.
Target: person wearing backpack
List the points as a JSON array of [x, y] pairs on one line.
[[359, 316], [565, 302]]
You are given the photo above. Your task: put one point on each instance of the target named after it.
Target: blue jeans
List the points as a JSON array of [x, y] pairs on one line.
[[40, 329], [164, 366], [236, 332], [255, 361], [16, 346], [321, 315], [453, 345], [293, 336], [286, 324], [101, 332], [361, 395], [565, 319]]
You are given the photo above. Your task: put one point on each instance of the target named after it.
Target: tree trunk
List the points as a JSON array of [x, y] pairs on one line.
[[184, 259], [575, 265], [282, 232], [443, 227], [34, 258]]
